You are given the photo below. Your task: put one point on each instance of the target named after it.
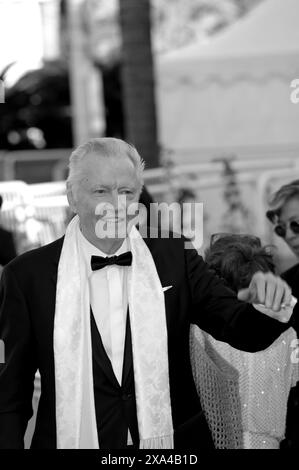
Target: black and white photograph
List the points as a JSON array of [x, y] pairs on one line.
[[149, 229]]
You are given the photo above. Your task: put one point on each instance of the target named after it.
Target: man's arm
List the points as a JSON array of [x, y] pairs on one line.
[[217, 310], [19, 367]]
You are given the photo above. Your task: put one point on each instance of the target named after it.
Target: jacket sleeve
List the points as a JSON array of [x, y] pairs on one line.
[[18, 366], [216, 309], [7, 247]]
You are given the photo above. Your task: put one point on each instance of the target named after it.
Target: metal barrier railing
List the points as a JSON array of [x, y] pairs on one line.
[[46, 203]]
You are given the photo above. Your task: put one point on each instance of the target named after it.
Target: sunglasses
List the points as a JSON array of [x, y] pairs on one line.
[[281, 229]]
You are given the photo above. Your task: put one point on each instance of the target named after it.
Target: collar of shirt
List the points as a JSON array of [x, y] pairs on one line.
[[90, 250]]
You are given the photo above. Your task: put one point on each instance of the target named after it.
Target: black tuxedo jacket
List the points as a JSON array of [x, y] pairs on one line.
[[27, 307], [7, 247]]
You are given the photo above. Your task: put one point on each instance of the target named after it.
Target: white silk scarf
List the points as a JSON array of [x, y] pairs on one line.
[[75, 405]]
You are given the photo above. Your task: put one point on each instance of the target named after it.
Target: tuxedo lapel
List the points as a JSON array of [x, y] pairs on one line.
[[128, 355], [102, 358], [99, 352]]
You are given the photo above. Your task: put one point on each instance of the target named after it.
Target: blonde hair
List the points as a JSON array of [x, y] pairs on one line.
[[106, 147]]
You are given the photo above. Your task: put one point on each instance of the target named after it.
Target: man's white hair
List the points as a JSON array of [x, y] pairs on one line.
[[105, 147]]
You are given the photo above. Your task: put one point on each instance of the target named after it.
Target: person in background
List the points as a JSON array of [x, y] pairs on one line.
[[7, 244], [264, 378], [284, 215]]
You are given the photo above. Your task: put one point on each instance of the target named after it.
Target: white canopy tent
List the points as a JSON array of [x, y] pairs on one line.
[[233, 91], [21, 37]]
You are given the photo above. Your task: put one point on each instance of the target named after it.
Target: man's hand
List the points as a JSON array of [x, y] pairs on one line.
[[266, 289]]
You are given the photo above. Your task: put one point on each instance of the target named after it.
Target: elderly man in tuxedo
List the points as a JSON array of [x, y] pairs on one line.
[[104, 314]]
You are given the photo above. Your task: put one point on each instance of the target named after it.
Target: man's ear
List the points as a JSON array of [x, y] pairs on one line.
[[70, 197]]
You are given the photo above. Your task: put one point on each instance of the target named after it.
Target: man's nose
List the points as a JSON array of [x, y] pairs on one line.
[[118, 201], [114, 198]]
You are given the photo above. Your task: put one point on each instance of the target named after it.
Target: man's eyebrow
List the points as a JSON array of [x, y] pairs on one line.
[[102, 186]]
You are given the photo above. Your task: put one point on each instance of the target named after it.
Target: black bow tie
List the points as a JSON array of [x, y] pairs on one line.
[[99, 262]]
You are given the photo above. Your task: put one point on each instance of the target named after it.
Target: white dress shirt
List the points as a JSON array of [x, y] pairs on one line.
[[109, 302]]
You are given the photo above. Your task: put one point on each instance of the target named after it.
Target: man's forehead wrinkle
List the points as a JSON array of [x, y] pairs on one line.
[[116, 159]]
